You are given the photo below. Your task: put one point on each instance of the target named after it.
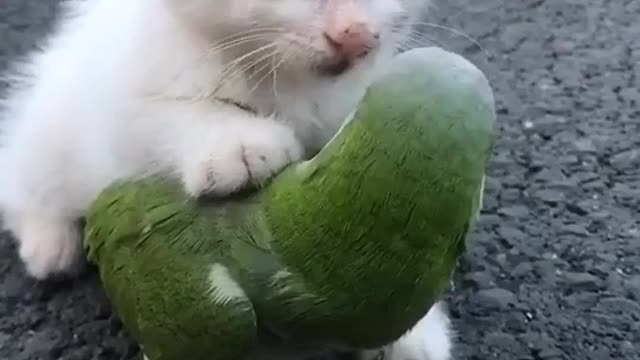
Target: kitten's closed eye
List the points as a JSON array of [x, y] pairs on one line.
[[327, 37]]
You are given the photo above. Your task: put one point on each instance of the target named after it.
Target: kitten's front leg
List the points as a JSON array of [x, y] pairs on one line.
[[235, 151]]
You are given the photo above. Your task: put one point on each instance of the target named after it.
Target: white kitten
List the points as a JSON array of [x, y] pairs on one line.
[[137, 87], [130, 88]]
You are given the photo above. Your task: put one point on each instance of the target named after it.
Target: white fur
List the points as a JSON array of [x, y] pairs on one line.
[[430, 339]]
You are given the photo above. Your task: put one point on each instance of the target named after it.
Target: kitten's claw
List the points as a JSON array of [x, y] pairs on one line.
[[430, 339], [51, 248], [233, 164]]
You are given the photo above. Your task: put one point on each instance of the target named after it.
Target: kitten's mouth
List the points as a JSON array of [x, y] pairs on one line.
[[334, 68], [339, 65]]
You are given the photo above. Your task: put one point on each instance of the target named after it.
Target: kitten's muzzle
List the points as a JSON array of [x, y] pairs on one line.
[[352, 42]]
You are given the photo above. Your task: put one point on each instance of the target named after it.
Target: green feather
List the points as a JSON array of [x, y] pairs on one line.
[[366, 233]]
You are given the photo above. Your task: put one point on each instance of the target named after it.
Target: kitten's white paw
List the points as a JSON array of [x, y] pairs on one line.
[[232, 163], [430, 339], [50, 248]]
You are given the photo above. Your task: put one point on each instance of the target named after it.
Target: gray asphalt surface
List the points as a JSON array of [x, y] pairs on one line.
[[553, 270]]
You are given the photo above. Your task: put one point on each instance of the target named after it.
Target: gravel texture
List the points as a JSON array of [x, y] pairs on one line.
[[553, 269]]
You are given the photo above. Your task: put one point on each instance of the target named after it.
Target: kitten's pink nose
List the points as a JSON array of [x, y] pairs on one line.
[[353, 41]]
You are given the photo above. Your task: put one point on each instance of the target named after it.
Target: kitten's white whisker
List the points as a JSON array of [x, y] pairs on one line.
[[416, 39], [230, 68], [212, 51], [264, 30], [454, 31], [284, 58], [272, 72], [249, 54], [257, 84], [245, 68], [263, 62], [273, 78], [236, 42]]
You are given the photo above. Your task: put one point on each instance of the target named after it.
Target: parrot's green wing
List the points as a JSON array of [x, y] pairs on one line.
[[366, 233], [166, 275]]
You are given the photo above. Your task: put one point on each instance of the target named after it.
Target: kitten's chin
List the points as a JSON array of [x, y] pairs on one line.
[[338, 66], [333, 68]]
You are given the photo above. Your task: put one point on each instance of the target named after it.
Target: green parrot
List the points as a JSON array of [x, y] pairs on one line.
[[348, 250]]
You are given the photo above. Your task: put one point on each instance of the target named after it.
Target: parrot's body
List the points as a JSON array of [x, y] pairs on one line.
[[366, 233]]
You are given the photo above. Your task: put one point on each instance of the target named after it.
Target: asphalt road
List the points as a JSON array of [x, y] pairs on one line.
[[553, 269]]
